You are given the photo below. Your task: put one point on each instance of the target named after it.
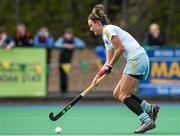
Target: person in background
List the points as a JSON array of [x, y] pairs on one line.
[[43, 39], [101, 56], [101, 53], [5, 40], [154, 36], [67, 43], [23, 37]]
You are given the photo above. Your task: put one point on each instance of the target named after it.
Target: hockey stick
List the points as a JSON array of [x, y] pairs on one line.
[[73, 102]]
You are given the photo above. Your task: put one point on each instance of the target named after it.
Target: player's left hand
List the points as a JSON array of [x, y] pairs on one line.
[[108, 68]]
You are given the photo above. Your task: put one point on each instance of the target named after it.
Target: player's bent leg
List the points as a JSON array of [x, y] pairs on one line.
[[151, 109], [147, 122], [125, 91], [116, 91], [126, 86]]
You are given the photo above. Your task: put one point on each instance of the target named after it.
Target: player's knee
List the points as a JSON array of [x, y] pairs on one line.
[[122, 96], [115, 94]]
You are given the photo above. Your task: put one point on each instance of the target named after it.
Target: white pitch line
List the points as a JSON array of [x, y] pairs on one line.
[[87, 118], [98, 135]]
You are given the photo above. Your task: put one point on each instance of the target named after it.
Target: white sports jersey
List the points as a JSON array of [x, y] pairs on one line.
[[131, 46]]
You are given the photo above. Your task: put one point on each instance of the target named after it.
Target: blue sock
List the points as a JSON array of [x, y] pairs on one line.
[[144, 117], [146, 106]]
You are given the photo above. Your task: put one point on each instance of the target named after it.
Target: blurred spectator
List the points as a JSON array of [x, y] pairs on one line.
[[43, 39], [23, 37], [101, 53], [154, 37], [68, 42], [5, 40]]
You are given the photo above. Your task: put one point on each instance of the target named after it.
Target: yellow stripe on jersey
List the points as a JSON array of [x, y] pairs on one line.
[[134, 66], [107, 33]]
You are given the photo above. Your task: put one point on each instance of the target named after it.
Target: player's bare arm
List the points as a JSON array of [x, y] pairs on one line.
[[118, 49]]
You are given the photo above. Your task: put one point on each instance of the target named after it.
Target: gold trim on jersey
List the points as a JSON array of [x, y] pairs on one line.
[[107, 33], [134, 66]]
